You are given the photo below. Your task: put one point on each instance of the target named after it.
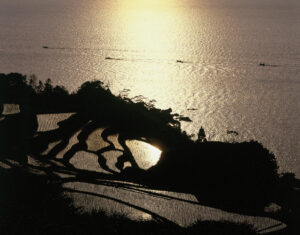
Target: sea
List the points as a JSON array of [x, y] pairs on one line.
[[229, 65]]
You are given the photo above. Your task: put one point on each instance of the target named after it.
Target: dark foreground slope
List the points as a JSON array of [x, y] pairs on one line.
[[32, 204]]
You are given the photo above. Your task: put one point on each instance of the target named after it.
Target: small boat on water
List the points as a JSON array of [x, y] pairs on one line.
[[269, 65], [111, 58]]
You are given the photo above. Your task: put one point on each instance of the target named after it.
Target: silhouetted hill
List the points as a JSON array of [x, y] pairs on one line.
[[33, 204], [239, 177], [236, 177]]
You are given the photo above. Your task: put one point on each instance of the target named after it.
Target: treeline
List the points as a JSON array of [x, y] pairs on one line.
[[93, 100], [32, 94], [44, 97]]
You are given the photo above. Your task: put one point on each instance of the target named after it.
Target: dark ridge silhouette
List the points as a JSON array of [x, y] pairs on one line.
[[33, 204], [35, 95], [236, 177], [240, 177], [1, 109], [16, 132]]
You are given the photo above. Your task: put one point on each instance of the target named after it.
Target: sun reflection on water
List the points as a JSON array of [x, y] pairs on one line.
[[146, 25], [146, 155], [148, 36]]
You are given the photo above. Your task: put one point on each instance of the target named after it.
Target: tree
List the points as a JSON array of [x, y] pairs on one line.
[[48, 86], [40, 87], [32, 82], [201, 136]]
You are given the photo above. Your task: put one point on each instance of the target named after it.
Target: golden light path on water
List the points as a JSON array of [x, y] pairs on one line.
[[145, 25], [145, 43], [149, 37]]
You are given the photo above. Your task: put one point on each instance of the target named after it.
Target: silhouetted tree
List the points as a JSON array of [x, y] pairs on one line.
[[60, 90], [201, 136], [40, 87], [32, 82], [48, 86]]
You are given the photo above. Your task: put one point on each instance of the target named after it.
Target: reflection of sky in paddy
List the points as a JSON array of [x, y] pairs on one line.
[[145, 154]]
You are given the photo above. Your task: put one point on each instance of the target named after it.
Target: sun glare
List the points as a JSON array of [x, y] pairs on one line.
[[146, 155], [147, 25], [154, 153]]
